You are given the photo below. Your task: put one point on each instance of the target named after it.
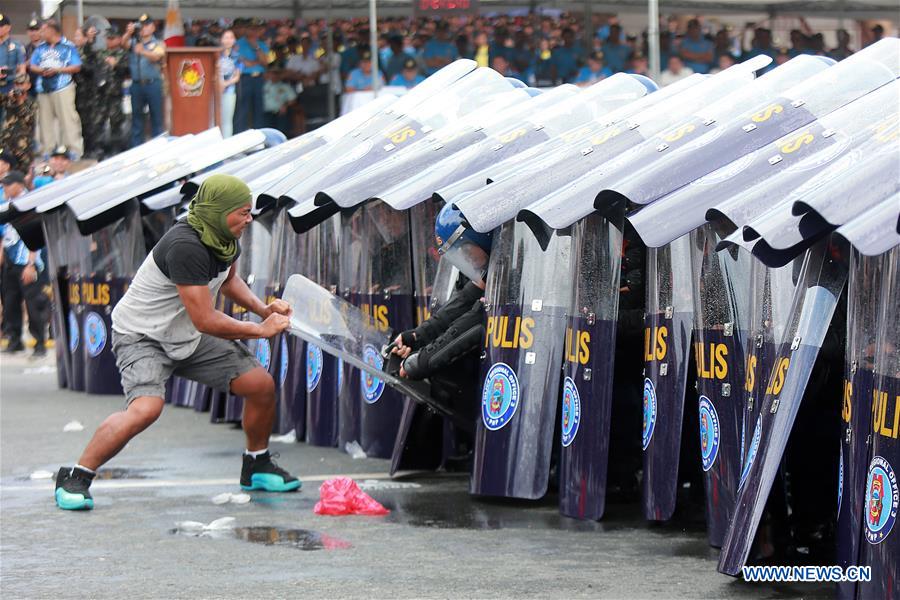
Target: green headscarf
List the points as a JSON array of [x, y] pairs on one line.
[[218, 196]]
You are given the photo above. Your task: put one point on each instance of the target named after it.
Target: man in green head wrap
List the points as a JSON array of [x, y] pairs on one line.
[[167, 324]]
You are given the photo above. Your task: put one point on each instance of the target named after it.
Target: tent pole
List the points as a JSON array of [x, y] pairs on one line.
[[80, 13], [653, 38], [333, 74], [373, 46]]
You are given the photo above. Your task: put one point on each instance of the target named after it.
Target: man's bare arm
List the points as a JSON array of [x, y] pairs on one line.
[[199, 304]]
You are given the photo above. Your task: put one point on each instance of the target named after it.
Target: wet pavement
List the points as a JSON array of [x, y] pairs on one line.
[[156, 532]]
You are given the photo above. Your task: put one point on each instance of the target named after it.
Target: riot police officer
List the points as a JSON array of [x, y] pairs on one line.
[[456, 329]]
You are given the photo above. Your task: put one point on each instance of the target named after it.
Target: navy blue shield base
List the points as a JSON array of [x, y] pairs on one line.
[[721, 292], [881, 537], [821, 279], [587, 390], [527, 296], [866, 277], [667, 337]]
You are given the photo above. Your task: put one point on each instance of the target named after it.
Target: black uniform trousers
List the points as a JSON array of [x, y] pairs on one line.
[[37, 303]]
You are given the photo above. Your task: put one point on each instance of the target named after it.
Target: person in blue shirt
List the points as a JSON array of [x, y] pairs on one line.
[[145, 63], [409, 77], [615, 53], [12, 56], [439, 51], [55, 61], [253, 54], [593, 72], [19, 276], [695, 50], [360, 78]]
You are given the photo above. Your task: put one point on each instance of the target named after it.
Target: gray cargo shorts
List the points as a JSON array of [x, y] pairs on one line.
[[145, 367]]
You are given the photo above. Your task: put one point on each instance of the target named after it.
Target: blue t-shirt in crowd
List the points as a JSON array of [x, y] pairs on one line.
[[246, 54], [585, 75], [360, 81], [438, 49], [616, 56], [62, 54], [701, 46], [142, 68], [400, 80], [12, 54]]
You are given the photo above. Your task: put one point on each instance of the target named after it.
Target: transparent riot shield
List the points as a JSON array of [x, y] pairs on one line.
[[881, 534], [508, 196], [763, 121], [866, 275], [667, 336], [342, 329], [820, 282], [588, 367], [116, 251], [527, 296], [876, 231], [784, 164], [63, 241], [320, 264], [721, 292], [365, 147], [506, 157]]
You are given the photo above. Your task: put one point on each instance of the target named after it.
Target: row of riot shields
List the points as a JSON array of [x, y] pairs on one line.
[[738, 180]]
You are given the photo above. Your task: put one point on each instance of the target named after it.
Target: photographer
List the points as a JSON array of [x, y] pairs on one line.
[[19, 112], [145, 63]]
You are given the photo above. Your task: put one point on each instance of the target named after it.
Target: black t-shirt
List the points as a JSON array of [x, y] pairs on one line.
[[185, 260]]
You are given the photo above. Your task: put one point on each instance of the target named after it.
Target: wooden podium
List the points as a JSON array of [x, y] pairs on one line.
[[193, 89]]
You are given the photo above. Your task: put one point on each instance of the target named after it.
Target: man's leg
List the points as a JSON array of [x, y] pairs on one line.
[[46, 124], [73, 485], [258, 391], [38, 305], [258, 104], [118, 429], [69, 121], [241, 110]]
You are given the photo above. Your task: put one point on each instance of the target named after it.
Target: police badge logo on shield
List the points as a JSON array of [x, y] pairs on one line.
[[313, 367], [94, 334], [371, 386], [571, 412], [499, 396], [649, 413], [263, 353], [882, 498], [709, 433], [74, 334]]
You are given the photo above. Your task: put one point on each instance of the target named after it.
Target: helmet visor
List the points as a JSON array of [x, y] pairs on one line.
[[470, 259]]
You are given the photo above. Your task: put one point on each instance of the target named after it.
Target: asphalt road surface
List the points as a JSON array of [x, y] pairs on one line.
[[437, 541]]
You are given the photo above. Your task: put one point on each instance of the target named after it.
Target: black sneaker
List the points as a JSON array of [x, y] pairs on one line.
[[39, 352], [262, 473], [72, 489], [13, 347]]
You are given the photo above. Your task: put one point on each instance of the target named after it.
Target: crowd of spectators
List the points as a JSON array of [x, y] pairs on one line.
[[280, 74]]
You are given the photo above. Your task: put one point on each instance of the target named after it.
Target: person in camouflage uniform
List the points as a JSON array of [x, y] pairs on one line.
[[87, 94], [113, 70], [17, 131]]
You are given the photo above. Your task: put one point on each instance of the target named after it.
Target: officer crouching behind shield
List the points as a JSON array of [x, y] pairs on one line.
[[456, 329]]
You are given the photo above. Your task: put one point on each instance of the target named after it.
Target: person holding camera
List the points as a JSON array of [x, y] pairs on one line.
[[19, 112], [12, 58], [55, 62]]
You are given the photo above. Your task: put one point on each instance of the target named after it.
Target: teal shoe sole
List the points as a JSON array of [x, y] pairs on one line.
[[270, 483], [67, 501]]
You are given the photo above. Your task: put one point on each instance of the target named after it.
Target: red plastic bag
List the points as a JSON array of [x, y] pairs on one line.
[[341, 496]]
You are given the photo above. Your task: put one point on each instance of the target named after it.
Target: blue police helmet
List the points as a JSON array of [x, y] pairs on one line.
[[451, 226], [273, 137], [646, 81]]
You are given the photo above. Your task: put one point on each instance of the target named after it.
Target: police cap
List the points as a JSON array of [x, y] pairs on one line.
[[61, 150], [34, 25], [410, 63], [4, 20], [144, 19], [7, 157], [13, 177]]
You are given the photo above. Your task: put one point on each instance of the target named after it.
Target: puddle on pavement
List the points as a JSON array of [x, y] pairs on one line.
[[301, 539]]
